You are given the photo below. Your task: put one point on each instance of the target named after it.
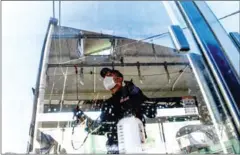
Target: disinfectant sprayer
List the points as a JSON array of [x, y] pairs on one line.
[[131, 135]]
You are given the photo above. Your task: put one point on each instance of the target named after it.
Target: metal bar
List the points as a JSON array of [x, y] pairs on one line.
[[119, 64], [76, 73], [99, 36], [235, 36], [59, 12], [139, 73], [229, 50], [61, 106], [218, 63], [53, 9], [163, 135], [238, 11], [166, 70], [208, 91], [158, 99], [127, 55], [97, 51], [63, 91], [85, 36], [180, 75], [89, 91], [53, 85], [71, 95], [41, 68], [179, 38], [154, 51], [95, 105], [81, 76], [177, 111], [94, 79]]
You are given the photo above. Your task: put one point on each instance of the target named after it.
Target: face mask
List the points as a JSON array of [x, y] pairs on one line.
[[109, 83]]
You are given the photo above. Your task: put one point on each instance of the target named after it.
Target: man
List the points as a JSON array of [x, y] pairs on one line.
[[126, 101]]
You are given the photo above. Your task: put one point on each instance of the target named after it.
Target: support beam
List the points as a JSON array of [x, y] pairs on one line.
[[40, 84], [235, 36], [230, 51], [178, 78], [167, 113], [167, 72], [84, 36], [52, 125], [118, 64], [94, 79], [90, 105], [101, 95], [166, 100], [127, 55]]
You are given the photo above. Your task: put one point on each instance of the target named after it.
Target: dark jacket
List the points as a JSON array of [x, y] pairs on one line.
[[128, 100]]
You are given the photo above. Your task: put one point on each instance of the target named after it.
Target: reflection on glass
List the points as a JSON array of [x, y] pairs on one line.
[[229, 7], [234, 20], [191, 115], [135, 22]]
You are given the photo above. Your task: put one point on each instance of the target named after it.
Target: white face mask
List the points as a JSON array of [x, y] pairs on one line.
[[109, 83]]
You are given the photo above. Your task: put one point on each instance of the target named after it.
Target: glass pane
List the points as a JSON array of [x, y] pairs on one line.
[[231, 22], [223, 8], [235, 26], [191, 116], [135, 22]]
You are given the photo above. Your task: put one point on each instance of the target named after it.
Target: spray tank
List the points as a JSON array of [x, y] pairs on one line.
[[131, 135]]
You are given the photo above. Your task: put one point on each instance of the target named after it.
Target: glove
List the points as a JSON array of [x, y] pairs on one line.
[[78, 114]]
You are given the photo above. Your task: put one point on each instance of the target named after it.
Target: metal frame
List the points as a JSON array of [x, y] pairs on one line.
[[84, 36], [169, 102], [208, 92], [41, 73], [118, 64], [229, 49], [235, 36], [220, 67]]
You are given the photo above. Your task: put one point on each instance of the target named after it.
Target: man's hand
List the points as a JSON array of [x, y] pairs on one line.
[[78, 115]]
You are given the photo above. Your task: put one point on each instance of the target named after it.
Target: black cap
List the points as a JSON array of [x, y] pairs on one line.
[[104, 71]]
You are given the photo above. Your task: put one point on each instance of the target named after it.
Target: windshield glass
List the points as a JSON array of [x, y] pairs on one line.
[[162, 70]]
